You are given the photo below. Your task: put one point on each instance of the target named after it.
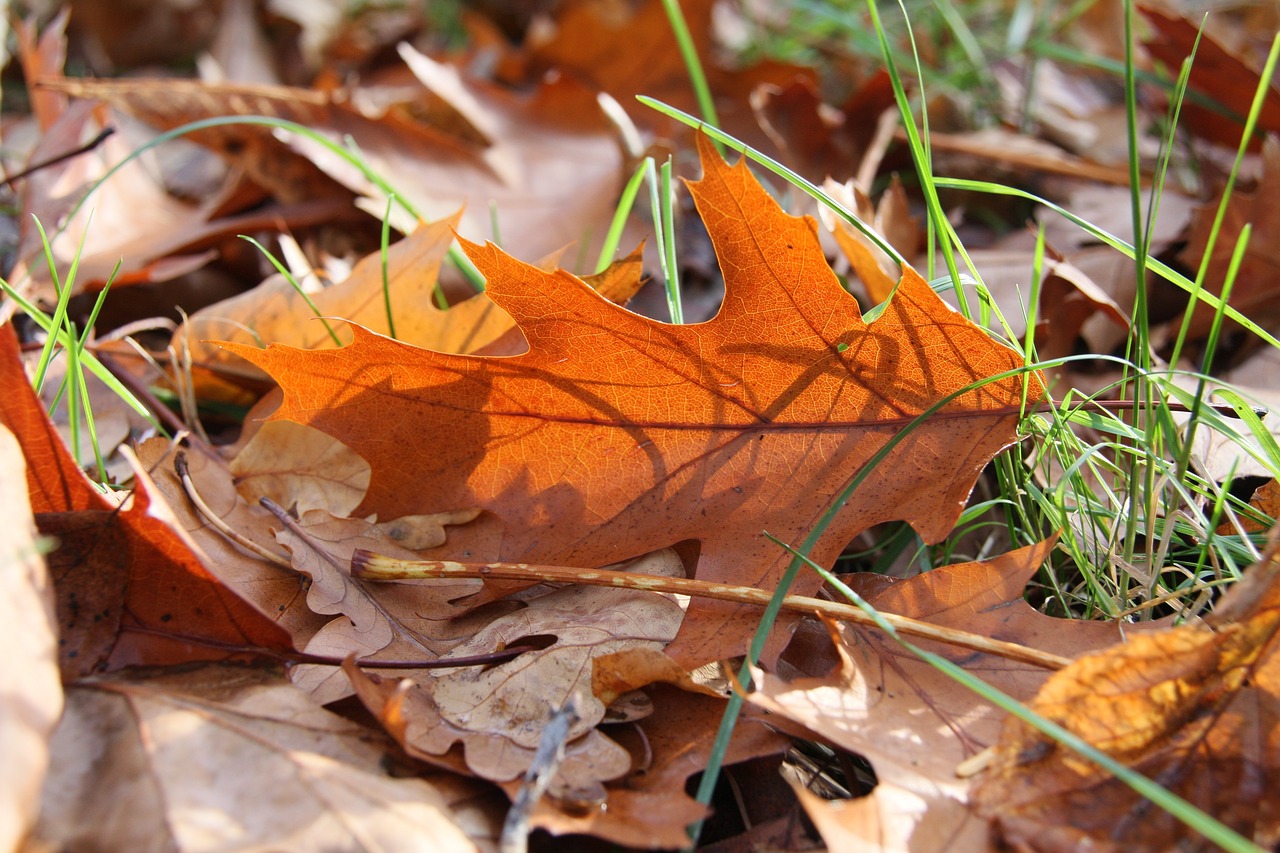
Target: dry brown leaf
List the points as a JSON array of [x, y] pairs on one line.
[[1225, 78], [1017, 152], [30, 693], [300, 468], [1195, 708], [1069, 301], [1254, 291], [220, 758], [401, 622], [552, 172], [497, 712], [648, 807], [913, 723], [820, 141]]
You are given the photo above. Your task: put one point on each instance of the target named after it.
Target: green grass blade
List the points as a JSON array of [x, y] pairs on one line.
[[620, 214], [1122, 246], [45, 322], [689, 53], [306, 297], [669, 248], [778, 169], [1260, 96], [63, 291], [919, 147], [383, 246], [732, 710]]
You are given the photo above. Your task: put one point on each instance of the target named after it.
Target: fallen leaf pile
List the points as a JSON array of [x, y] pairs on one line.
[[200, 659]]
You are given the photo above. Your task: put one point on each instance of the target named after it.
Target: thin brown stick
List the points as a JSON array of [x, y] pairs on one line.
[[215, 521], [58, 158], [370, 566]]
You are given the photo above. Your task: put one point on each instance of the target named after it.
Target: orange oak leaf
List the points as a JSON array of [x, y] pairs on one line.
[[616, 434]]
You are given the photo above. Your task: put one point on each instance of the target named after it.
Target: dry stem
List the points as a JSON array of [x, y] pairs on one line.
[[377, 567]]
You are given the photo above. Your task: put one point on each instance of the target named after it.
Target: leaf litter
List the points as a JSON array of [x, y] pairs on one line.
[[536, 423]]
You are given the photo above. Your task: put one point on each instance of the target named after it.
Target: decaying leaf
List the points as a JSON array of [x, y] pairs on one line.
[[222, 757], [497, 712], [645, 808], [402, 622], [616, 434], [1195, 708]]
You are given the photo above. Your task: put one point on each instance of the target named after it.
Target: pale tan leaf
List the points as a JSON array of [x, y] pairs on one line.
[[301, 468], [30, 692], [226, 758]]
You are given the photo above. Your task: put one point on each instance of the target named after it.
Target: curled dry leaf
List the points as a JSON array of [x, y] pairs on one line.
[[402, 621], [30, 693], [220, 757], [648, 806], [497, 712], [1195, 708], [615, 434], [878, 272], [912, 722]]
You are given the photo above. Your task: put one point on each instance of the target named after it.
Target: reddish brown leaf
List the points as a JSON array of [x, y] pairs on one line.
[[1266, 499], [616, 434], [1254, 291], [1223, 77], [166, 587], [54, 481], [629, 49]]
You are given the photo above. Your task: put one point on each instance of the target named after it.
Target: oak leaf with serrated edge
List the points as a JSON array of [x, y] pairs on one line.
[[616, 434]]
